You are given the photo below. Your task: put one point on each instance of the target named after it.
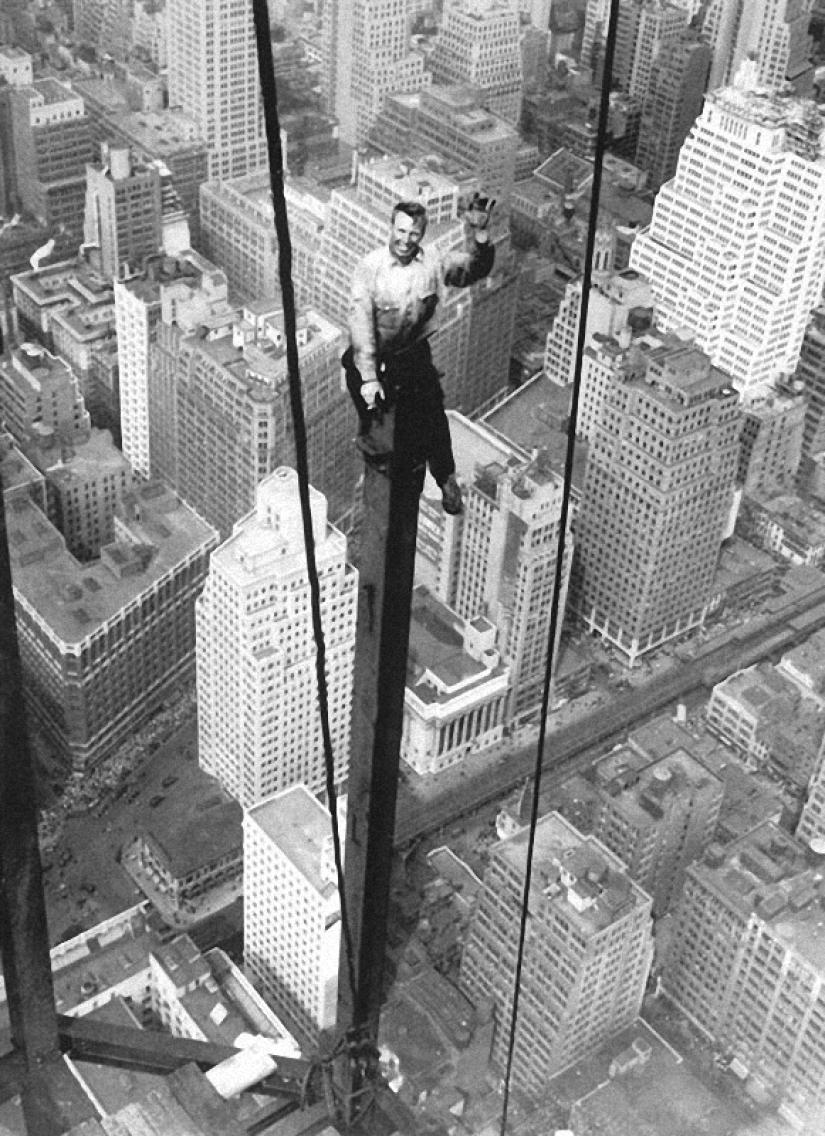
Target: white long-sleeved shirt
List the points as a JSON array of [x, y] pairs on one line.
[[393, 305]]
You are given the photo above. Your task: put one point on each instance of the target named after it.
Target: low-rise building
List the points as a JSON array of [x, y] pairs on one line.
[[457, 687]]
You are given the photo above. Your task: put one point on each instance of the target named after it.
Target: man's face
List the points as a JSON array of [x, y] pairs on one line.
[[406, 236]]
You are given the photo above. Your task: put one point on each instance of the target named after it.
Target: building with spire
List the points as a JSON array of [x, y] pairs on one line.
[[657, 497], [258, 718], [587, 957], [735, 251]]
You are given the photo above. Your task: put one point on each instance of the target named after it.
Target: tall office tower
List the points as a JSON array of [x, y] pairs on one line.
[[735, 250], [123, 212], [213, 77], [586, 959], [219, 407], [171, 138], [811, 373], [103, 643], [499, 559], [649, 540], [292, 913], [191, 290], [257, 690], [644, 28], [40, 395], [773, 33], [618, 300], [660, 823], [745, 961], [452, 122], [366, 54], [51, 143], [771, 442], [596, 15], [673, 101], [478, 43], [238, 233]]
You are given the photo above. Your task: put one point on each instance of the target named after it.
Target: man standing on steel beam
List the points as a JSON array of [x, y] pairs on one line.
[[395, 293]]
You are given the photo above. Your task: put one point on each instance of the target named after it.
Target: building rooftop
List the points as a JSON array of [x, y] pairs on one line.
[[808, 662], [439, 666], [772, 875], [299, 826], [75, 600], [15, 468], [210, 830], [80, 463], [667, 781], [51, 91], [574, 873]]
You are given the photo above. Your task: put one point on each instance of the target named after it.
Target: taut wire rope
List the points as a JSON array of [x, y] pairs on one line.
[[587, 275], [269, 96]]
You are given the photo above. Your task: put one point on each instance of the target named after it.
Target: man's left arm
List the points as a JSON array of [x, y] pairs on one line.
[[464, 268]]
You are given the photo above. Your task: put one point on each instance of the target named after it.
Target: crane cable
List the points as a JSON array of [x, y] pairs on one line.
[[269, 96], [587, 275]]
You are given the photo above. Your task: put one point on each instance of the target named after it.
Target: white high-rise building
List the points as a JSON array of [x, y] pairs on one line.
[[258, 716], [773, 33], [292, 925], [479, 43], [366, 49], [213, 77], [735, 251]]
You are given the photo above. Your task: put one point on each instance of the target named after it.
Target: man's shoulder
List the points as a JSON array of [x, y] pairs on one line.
[[373, 260]]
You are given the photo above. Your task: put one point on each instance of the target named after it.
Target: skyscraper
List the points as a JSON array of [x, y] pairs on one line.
[[123, 222], [192, 292], [644, 28], [50, 137], [366, 54], [257, 692], [478, 43], [587, 953], [657, 495], [735, 251], [292, 924], [672, 102], [499, 559], [213, 77], [773, 33]]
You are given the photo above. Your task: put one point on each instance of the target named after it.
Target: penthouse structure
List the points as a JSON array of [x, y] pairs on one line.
[[457, 687], [735, 251], [257, 687], [102, 643], [498, 560], [292, 914], [587, 957], [745, 962], [40, 397], [657, 496], [478, 43], [48, 143]]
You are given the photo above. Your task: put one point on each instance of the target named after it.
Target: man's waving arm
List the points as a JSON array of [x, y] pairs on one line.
[[476, 262]]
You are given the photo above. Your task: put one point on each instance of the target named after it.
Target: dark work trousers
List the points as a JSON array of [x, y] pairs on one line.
[[412, 385]]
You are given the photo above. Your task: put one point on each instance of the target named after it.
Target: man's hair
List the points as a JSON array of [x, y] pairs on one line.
[[413, 209]]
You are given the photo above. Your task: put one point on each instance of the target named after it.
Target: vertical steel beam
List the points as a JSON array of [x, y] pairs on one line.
[[386, 565], [24, 936]]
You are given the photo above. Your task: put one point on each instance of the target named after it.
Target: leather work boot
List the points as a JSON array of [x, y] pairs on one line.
[[451, 496]]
